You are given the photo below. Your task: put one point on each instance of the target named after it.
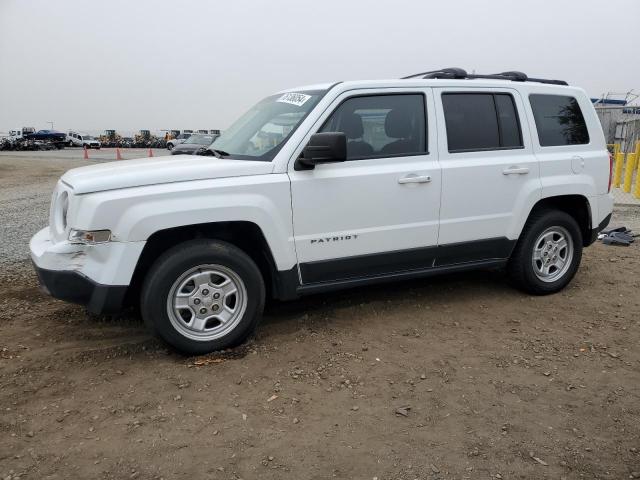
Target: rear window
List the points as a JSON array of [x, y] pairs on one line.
[[481, 121], [559, 120]]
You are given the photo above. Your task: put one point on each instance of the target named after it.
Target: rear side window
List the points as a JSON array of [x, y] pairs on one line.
[[559, 120], [481, 121]]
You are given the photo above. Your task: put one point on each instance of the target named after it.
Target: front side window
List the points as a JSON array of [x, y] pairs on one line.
[[381, 125], [259, 133], [481, 121], [559, 120]]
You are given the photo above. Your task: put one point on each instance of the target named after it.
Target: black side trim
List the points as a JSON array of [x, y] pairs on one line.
[[427, 272], [595, 231], [491, 249], [285, 284], [76, 288], [405, 260]]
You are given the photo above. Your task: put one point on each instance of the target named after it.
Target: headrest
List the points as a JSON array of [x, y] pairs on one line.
[[352, 125], [397, 124]]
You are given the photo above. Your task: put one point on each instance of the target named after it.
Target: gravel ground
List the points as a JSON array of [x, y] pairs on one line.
[[455, 377], [26, 182]]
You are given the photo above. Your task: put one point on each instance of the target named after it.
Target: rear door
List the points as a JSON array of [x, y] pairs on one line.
[[490, 175], [375, 214]]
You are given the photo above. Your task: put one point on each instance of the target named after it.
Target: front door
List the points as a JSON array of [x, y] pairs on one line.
[[376, 213]]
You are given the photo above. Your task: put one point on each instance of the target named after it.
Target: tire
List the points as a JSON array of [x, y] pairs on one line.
[[184, 281], [169, 146], [542, 238]]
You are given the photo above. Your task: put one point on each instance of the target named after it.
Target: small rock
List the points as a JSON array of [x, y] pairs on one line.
[[540, 461], [355, 408], [434, 469], [295, 420], [177, 398], [635, 474], [270, 458], [29, 434], [403, 411], [423, 377]]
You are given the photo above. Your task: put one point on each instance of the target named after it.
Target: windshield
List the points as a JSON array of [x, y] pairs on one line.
[[259, 133], [199, 140]]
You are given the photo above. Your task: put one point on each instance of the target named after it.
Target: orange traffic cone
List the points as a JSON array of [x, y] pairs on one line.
[[86, 153], [150, 153], [118, 156]]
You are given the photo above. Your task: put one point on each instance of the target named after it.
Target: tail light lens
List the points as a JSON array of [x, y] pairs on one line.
[[610, 171]]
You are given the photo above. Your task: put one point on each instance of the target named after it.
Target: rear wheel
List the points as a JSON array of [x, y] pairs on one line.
[[203, 295], [548, 253]]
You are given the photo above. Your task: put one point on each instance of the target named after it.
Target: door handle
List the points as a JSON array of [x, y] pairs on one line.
[[411, 178], [514, 170]]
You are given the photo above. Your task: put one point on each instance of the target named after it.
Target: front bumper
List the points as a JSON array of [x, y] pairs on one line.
[[93, 275], [76, 288]]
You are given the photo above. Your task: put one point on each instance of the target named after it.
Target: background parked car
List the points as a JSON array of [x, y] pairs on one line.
[[48, 135], [178, 140], [194, 143], [75, 139]]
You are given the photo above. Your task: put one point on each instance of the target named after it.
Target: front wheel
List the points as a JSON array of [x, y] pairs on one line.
[[203, 295], [169, 146], [548, 253]]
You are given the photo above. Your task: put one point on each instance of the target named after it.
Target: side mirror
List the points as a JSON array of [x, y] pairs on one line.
[[323, 147]]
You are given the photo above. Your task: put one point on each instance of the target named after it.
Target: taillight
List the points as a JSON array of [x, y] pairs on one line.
[[610, 171]]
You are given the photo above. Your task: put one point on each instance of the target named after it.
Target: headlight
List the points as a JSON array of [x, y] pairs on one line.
[[89, 237]]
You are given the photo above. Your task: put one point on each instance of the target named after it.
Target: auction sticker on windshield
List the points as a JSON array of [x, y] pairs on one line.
[[297, 99]]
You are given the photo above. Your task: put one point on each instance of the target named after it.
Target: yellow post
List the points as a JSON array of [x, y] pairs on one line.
[[617, 174], [628, 172], [636, 192]]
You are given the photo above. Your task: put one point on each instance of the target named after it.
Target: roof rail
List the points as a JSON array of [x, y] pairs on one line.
[[461, 74]]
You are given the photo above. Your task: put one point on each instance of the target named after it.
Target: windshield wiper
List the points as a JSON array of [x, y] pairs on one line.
[[208, 152]]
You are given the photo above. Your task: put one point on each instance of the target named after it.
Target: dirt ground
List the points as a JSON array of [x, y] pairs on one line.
[[446, 378]]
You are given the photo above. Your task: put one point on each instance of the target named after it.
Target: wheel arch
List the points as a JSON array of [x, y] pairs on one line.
[[575, 205], [246, 235]]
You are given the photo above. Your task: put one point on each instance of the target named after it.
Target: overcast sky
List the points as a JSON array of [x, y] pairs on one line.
[[128, 65]]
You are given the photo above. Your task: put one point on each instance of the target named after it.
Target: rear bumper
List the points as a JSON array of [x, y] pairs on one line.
[[76, 288]]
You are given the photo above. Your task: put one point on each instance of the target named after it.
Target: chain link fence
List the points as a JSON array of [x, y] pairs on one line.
[[621, 126]]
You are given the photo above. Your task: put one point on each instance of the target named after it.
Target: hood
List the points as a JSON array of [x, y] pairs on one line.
[[154, 171]]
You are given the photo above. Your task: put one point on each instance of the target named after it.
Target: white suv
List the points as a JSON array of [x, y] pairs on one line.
[[333, 186], [75, 139], [171, 144]]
